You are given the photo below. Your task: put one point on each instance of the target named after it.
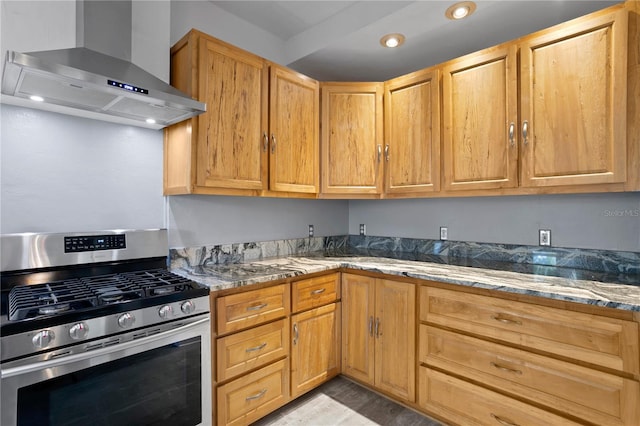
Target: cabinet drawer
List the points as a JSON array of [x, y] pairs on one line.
[[251, 308], [253, 396], [603, 341], [580, 391], [314, 292], [466, 404], [253, 348]]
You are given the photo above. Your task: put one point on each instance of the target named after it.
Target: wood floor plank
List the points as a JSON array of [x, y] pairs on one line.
[[343, 402]]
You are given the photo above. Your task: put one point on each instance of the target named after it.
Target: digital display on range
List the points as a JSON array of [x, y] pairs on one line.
[[128, 87], [94, 243]]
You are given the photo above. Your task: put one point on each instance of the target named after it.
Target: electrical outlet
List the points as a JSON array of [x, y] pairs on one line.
[[363, 229], [444, 233], [544, 237], [311, 230]]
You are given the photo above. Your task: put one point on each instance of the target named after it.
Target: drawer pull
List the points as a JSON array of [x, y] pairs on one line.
[[506, 320], [256, 348], [508, 370], [295, 334], [256, 396], [378, 328], [371, 326], [256, 307], [319, 291], [502, 421]]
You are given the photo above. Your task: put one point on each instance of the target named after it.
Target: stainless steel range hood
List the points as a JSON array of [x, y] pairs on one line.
[[83, 82]]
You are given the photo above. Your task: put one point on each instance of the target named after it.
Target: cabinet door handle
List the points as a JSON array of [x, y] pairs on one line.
[[386, 152], [379, 153], [256, 396], [506, 369], [525, 132], [256, 307], [378, 327], [512, 133], [319, 291], [502, 421], [265, 142], [295, 334], [256, 348], [371, 326], [505, 320], [273, 143]]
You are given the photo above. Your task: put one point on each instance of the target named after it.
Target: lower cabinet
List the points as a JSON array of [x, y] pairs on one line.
[[315, 347], [378, 334], [254, 395], [464, 403]]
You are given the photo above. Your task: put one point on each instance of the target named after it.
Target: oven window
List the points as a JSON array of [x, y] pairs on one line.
[[158, 387]]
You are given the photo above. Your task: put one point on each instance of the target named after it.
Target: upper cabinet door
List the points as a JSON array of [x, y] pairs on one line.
[[480, 120], [351, 138], [412, 133], [231, 145], [574, 103], [294, 131]]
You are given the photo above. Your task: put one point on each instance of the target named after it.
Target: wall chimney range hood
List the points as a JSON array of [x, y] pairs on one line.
[[86, 83]]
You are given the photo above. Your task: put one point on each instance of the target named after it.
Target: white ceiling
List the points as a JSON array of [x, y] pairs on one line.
[[339, 40]]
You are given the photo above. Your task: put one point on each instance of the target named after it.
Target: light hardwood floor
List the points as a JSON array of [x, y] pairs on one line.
[[343, 402]]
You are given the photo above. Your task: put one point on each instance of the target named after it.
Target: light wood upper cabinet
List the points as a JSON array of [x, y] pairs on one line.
[[352, 135], [378, 334], [294, 129], [259, 134], [412, 133], [480, 117], [230, 146], [573, 98]]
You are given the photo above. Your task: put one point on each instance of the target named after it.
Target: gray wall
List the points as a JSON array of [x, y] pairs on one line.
[[201, 219], [602, 221], [61, 173]]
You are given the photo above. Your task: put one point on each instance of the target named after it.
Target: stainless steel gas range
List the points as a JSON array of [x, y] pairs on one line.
[[95, 330]]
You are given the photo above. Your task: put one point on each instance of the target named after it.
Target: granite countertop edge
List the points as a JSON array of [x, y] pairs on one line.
[[603, 294]]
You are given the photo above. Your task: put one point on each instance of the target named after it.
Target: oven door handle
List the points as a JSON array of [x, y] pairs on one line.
[[55, 362]]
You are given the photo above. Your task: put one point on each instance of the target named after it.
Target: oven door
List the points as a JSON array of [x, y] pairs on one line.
[[157, 379]]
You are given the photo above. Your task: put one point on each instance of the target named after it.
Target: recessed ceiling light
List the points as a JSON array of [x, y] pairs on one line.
[[151, 121], [392, 40], [36, 98], [460, 10]]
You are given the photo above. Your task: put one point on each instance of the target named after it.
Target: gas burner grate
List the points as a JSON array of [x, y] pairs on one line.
[[30, 301]]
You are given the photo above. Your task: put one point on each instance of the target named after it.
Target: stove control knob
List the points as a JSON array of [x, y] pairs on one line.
[[43, 338], [79, 331], [188, 307], [165, 312], [126, 320]]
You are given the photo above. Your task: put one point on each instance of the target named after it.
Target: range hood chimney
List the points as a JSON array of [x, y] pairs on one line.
[[84, 82]]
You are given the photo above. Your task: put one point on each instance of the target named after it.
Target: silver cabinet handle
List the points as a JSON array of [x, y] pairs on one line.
[[512, 133], [319, 291], [265, 142], [505, 320], [378, 327], [371, 326], [379, 153], [256, 307], [502, 421], [256, 396], [508, 370], [386, 152], [273, 143], [525, 131], [256, 348], [295, 334]]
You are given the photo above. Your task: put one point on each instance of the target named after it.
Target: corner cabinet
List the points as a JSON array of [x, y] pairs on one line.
[[352, 135], [558, 120], [378, 334], [261, 120]]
